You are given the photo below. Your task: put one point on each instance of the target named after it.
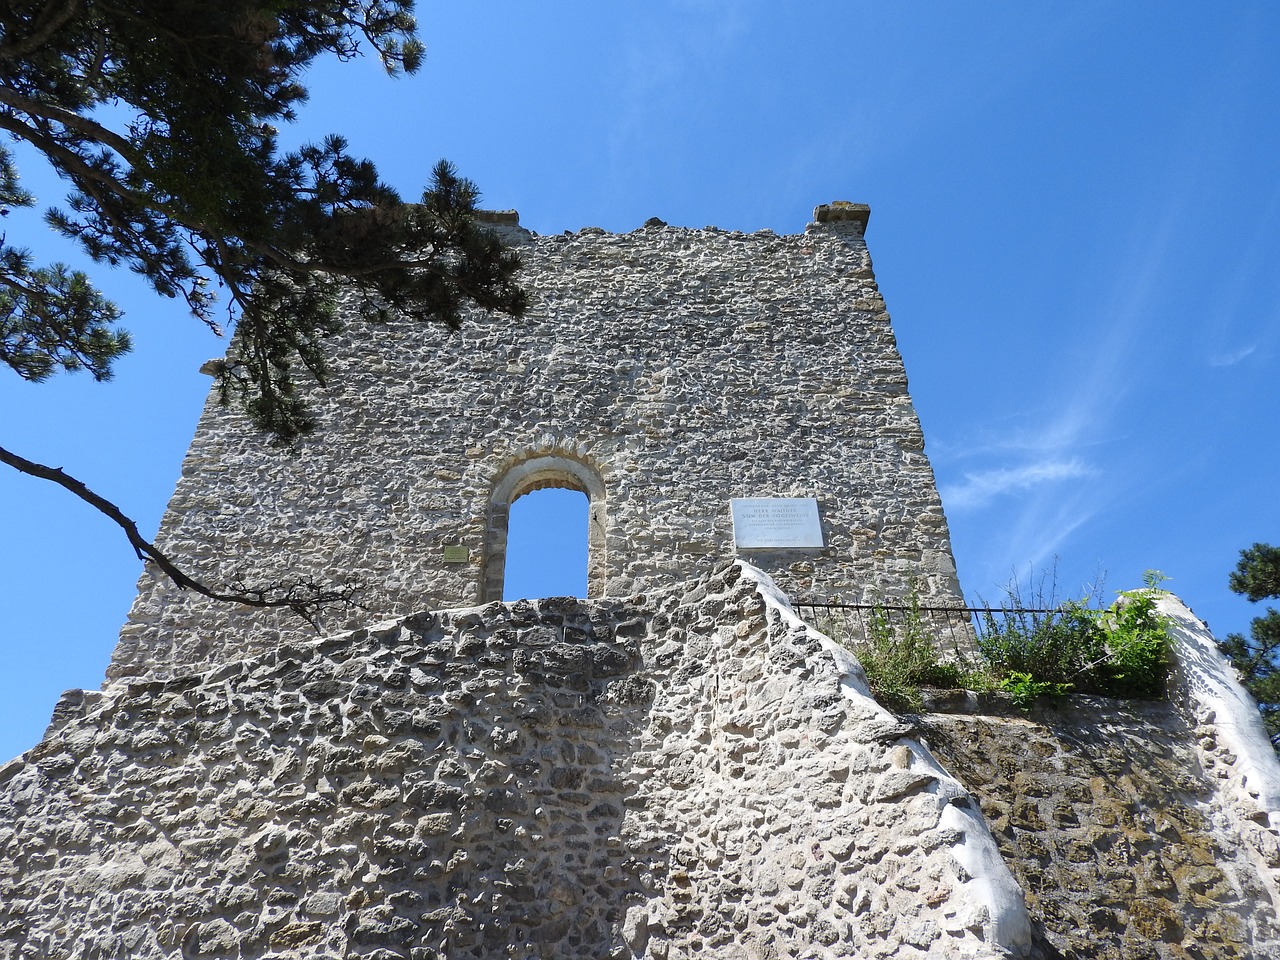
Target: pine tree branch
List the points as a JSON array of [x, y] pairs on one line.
[[53, 17], [70, 161], [305, 598], [70, 120], [97, 184]]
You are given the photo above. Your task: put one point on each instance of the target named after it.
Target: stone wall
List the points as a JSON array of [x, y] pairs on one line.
[[1138, 830], [663, 372], [691, 775], [1117, 834], [675, 768]]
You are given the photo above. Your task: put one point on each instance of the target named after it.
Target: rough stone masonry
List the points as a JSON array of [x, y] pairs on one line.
[[674, 777], [662, 372], [694, 773]]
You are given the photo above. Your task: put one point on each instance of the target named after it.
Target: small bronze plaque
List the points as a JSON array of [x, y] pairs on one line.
[[456, 554]]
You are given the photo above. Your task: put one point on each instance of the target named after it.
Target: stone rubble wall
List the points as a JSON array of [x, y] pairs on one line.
[[680, 367], [1138, 830], [688, 775], [691, 773], [1126, 846]]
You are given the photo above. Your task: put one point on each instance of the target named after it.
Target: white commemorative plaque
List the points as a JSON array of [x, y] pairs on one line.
[[761, 523]]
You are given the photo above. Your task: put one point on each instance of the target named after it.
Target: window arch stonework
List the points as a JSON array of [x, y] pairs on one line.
[[539, 472]]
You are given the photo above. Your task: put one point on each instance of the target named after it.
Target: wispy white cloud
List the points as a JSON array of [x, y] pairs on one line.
[[980, 488], [1082, 412], [1030, 531], [1232, 358], [1234, 316], [1039, 533], [1032, 487]]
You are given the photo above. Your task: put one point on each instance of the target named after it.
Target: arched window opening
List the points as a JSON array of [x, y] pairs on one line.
[[547, 545], [560, 475]]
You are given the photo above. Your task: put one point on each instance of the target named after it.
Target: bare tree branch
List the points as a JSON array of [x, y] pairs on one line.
[[303, 597]]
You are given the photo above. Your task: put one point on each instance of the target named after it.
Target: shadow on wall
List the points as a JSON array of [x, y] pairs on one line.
[[1102, 812]]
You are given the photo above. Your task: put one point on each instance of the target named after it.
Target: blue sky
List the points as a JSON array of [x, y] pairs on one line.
[[1075, 224]]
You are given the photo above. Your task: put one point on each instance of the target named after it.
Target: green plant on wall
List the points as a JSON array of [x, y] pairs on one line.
[[1137, 644], [1034, 642], [1025, 689], [1027, 651], [1052, 647], [1120, 651], [899, 655]]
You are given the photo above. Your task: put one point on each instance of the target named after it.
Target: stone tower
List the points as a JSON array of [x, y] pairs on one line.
[[662, 372]]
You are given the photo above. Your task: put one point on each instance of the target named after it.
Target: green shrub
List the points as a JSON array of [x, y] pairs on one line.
[[1120, 651], [1137, 664], [1026, 690], [1052, 648], [899, 656], [1029, 650]]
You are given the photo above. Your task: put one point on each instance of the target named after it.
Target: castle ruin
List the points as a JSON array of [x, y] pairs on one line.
[[675, 766]]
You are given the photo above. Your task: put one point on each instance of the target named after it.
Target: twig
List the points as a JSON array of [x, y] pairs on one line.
[[303, 597]]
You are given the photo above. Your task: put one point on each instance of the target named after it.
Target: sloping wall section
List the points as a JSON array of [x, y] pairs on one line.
[[692, 774], [1115, 832]]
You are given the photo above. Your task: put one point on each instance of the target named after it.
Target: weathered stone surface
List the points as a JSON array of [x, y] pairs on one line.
[[1121, 843], [621, 803], [663, 372]]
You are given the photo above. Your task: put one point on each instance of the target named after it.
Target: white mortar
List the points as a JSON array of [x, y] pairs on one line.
[[991, 896]]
